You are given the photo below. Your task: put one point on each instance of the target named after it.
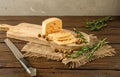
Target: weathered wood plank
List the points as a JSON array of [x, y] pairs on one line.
[[104, 67], [100, 64], [112, 34], [3, 46], [13, 72], [20, 72], [110, 38], [10, 61], [104, 31], [69, 21]]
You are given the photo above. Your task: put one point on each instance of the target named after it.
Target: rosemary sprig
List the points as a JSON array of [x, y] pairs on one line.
[[80, 35], [95, 47], [80, 52], [90, 49], [98, 24]]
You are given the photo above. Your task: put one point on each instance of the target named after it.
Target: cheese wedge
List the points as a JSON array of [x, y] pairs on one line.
[[51, 25]]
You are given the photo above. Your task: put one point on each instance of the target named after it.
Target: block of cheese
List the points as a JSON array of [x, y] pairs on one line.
[[51, 25], [59, 35]]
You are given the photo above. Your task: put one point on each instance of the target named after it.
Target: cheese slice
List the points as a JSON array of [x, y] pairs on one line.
[[59, 35], [67, 40], [63, 37], [51, 25]]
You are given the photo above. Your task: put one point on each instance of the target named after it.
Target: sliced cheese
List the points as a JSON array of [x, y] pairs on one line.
[[59, 35], [70, 39], [51, 25], [63, 37]]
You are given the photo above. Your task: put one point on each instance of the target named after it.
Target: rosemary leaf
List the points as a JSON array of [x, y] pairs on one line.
[[98, 24], [90, 49], [79, 52], [80, 35], [95, 47]]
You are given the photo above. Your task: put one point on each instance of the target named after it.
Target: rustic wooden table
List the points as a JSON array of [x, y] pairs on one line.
[[105, 67]]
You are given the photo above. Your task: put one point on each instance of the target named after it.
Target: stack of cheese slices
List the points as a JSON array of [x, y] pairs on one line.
[[52, 29]]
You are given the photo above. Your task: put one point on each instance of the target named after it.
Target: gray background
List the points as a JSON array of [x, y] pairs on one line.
[[59, 7]]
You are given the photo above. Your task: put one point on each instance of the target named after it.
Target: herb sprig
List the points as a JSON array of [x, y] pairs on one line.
[[80, 35], [98, 24], [90, 49], [96, 47]]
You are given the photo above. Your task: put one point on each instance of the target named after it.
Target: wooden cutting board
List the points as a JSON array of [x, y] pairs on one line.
[[24, 31], [32, 33]]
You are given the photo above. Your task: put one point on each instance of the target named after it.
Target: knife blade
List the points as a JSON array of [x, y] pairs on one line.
[[20, 57]]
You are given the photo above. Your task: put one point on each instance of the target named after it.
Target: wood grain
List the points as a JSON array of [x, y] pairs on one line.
[[20, 72], [113, 38], [105, 67]]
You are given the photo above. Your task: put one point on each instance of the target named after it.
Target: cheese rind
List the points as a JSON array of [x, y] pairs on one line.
[[51, 25]]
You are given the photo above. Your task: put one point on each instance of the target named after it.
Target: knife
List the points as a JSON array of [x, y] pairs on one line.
[[31, 71]]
